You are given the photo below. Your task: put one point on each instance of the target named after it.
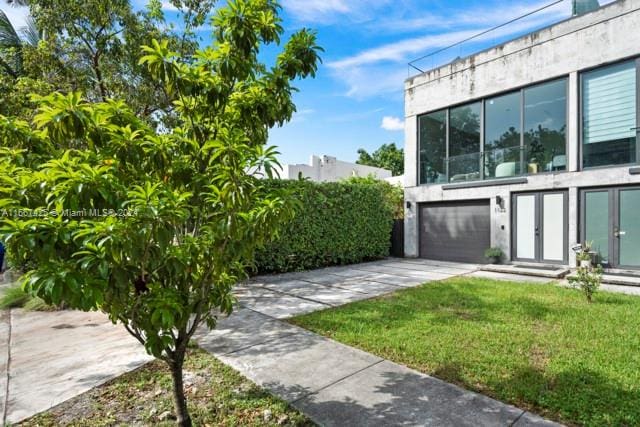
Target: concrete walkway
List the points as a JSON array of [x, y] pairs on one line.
[[332, 383], [48, 358]]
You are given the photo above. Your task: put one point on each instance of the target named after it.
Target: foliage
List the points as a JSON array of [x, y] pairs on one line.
[[38, 304], [13, 43], [588, 280], [535, 346], [13, 297], [93, 46], [218, 396], [494, 253], [584, 254], [338, 223], [388, 156], [154, 227]]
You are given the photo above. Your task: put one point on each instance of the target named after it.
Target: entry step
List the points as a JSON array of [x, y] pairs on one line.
[[549, 272], [616, 279]]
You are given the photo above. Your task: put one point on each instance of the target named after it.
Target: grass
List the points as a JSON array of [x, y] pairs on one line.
[[217, 395], [540, 347], [15, 297]]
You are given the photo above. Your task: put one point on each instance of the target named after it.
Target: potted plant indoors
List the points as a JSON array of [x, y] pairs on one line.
[[494, 255]]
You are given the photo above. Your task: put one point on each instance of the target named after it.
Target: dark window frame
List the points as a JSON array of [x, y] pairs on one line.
[[581, 74], [539, 212], [614, 218], [482, 100]]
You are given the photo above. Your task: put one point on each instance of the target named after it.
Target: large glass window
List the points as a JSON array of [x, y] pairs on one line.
[[522, 132], [464, 143], [545, 126], [433, 147], [609, 115], [502, 136]]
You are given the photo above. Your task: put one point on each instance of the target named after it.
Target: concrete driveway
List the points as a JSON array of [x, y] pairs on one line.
[[332, 383], [47, 358]]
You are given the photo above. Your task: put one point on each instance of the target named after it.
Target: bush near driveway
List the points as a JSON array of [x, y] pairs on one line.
[[540, 347], [338, 223]]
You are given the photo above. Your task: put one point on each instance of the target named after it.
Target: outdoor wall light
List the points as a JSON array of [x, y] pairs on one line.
[[408, 205], [500, 201]]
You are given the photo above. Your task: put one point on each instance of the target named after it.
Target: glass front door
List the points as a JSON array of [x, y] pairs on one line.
[[628, 232], [540, 227], [610, 222]]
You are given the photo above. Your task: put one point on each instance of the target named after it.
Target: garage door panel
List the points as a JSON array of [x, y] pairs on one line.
[[456, 231]]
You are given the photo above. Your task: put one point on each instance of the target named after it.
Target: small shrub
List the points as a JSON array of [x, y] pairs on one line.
[[588, 280], [14, 297], [494, 253]]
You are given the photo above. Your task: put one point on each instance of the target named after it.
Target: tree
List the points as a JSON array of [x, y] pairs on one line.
[[388, 156], [13, 42], [92, 46], [154, 228]]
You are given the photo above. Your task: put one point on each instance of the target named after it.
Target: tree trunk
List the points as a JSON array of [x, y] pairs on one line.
[[180, 401]]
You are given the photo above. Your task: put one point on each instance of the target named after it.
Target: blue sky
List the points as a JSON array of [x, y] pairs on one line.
[[356, 100]]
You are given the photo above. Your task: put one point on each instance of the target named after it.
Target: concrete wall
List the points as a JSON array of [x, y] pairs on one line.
[[564, 50], [329, 169]]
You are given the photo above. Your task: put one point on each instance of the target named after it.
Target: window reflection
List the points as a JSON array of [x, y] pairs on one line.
[[464, 143], [545, 124], [433, 148], [502, 136]]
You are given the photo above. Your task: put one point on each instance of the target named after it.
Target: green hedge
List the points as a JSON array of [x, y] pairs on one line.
[[339, 223]]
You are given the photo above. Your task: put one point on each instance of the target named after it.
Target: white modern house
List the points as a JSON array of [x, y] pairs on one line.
[[530, 146], [330, 169]]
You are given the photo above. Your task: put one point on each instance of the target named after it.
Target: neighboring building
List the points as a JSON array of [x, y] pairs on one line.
[[396, 180], [329, 169], [530, 146]]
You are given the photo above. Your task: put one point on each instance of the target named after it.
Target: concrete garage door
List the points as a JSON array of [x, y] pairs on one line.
[[455, 231]]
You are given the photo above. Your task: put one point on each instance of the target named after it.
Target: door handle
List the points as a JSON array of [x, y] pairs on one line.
[[618, 233]]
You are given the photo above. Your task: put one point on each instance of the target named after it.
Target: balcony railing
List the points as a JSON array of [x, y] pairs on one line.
[[500, 163]]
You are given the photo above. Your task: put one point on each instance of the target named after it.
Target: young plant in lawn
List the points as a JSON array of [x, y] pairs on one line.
[[154, 228], [588, 280]]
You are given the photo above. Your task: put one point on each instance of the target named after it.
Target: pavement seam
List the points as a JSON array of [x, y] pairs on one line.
[[296, 296], [338, 380], [258, 343], [5, 411], [517, 419]]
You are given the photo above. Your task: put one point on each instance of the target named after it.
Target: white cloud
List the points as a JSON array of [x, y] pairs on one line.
[[315, 10], [330, 11], [392, 123], [167, 5], [382, 69]]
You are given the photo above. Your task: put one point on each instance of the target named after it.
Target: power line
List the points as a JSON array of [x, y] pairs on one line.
[[540, 9]]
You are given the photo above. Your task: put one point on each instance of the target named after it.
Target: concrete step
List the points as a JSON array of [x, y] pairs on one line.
[[555, 273], [616, 279]]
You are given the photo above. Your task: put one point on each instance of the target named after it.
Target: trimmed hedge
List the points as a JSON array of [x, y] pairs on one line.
[[338, 223]]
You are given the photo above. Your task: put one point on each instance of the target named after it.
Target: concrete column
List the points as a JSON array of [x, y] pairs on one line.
[[411, 231], [574, 212], [573, 129], [410, 151], [501, 223]]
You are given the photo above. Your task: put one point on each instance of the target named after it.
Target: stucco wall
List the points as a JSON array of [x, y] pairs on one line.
[[329, 169], [607, 35]]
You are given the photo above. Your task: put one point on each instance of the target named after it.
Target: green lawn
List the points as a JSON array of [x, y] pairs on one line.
[[540, 347]]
